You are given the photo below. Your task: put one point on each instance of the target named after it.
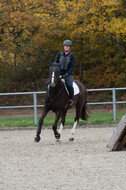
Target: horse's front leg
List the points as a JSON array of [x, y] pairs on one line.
[[62, 122], [41, 120], [54, 127]]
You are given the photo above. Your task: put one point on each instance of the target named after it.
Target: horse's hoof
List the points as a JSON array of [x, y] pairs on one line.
[[37, 139], [57, 136], [71, 139]]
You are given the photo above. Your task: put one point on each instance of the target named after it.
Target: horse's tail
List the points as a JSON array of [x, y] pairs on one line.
[[84, 112]]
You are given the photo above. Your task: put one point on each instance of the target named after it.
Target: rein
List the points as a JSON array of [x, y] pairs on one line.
[[52, 99]]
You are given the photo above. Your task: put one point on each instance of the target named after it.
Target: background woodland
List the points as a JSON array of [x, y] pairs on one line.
[[32, 32]]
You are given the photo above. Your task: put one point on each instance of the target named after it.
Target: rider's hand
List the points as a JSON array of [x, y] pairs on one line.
[[64, 76]]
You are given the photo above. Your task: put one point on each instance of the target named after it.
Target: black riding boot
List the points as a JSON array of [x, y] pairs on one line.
[[71, 94]]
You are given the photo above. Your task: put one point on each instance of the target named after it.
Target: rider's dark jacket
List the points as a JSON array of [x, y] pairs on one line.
[[67, 62]]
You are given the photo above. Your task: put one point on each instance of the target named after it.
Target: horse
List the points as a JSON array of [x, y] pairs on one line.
[[56, 100]]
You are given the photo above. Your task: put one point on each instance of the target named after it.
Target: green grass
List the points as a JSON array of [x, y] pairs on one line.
[[96, 118]]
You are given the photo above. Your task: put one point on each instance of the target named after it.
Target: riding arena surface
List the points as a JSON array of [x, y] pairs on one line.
[[84, 164]]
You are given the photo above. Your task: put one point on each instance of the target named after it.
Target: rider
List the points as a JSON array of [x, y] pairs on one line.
[[67, 60]]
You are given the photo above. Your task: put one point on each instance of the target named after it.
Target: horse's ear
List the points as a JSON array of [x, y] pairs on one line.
[[50, 63], [57, 64]]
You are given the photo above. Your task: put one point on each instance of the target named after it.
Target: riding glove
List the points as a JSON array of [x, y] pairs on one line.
[[64, 76]]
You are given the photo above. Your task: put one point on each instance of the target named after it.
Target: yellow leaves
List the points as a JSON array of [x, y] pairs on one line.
[[1, 56], [117, 27], [25, 35], [35, 29], [81, 14], [4, 54]]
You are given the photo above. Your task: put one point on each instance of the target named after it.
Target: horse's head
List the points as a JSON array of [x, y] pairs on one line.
[[54, 73]]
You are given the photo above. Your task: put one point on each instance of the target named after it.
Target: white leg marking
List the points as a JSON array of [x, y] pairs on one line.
[[74, 127], [61, 128]]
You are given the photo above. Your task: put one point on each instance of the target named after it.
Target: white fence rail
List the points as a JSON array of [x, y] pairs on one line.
[[35, 106]]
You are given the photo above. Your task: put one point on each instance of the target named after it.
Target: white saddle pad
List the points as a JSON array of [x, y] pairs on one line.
[[76, 89]]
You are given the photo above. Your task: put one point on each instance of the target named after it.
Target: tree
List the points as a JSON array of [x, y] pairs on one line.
[[95, 30], [33, 31]]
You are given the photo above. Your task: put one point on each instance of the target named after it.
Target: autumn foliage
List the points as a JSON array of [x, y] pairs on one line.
[[32, 32]]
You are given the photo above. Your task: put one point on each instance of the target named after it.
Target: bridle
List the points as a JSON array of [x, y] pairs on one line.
[[52, 99], [53, 80]]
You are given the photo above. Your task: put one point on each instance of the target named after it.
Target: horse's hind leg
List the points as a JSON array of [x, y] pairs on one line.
[[78, 111], [41, 120], [73, 131]]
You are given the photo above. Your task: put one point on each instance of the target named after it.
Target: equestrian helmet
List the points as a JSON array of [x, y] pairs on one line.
[[67, 43]]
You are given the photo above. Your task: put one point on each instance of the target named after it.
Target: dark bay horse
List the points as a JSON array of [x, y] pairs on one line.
[[57, 98]]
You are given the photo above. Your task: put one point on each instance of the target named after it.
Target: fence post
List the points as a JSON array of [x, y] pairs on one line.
[[114, 103], [35, 108]]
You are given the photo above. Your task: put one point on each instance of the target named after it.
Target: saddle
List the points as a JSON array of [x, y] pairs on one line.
[[75, 87]]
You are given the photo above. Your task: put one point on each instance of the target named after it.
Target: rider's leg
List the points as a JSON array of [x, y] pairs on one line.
[[69, 81]]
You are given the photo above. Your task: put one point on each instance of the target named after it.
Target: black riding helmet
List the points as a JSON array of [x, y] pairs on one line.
[[67, 43]]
